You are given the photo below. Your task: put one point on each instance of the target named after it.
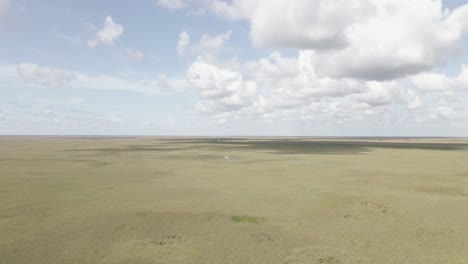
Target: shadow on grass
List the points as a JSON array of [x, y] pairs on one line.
[[280, 146]]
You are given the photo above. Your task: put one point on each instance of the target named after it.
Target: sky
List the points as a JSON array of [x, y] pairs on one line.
[[237, 67]]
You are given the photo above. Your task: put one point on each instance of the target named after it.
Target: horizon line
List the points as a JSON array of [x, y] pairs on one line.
[[221, 136]]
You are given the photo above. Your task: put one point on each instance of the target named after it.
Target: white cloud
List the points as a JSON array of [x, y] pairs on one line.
[[221, 90], [413, 100], [400, 38], [45, 116], [298, 76], [113, 83], [183, 43], [132, 54], [290, 88], [110, 32], [53, 77], [365, 39], [434, 81], [208, 46], [384, 93], [443, 113], [356, 59], [290, 82], [172, 4], [45, 76], [297, 23]]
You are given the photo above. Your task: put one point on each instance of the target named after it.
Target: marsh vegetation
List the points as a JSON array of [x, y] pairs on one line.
[[274, 200]]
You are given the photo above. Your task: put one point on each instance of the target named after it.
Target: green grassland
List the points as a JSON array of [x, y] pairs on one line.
[[233, 200]]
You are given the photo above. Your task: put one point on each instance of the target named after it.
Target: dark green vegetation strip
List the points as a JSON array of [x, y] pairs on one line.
[[247, 219]]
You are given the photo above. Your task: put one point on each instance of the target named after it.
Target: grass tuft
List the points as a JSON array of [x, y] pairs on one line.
[[247, 219], [328, 260]]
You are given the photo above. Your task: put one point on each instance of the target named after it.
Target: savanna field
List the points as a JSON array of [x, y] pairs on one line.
[[233, 200]]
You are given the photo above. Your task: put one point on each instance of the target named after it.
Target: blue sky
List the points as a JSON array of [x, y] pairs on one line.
[[241, 67]]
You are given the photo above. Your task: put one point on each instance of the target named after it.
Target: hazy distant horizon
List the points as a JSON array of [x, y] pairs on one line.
[[228, 136]]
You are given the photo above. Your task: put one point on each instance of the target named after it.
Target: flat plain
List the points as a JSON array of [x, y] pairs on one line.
[[233, 200]]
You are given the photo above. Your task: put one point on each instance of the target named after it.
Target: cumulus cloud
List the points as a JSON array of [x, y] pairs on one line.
[[295, 24], [220, 89], [290, 88], [110, 32], [435, 81], [209, 46], [293, 82], [183, 43], [365, 39], [355, 59], [298, 75], [384, 93], [45, 76], [400, 38]]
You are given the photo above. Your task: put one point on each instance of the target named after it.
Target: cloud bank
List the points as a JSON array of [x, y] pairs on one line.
[[354, 59]]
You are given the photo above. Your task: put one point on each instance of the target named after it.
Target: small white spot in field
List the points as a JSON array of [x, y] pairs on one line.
[[226, 157]]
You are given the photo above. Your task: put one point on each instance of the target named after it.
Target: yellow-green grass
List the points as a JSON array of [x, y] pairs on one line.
[[210, 200]]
